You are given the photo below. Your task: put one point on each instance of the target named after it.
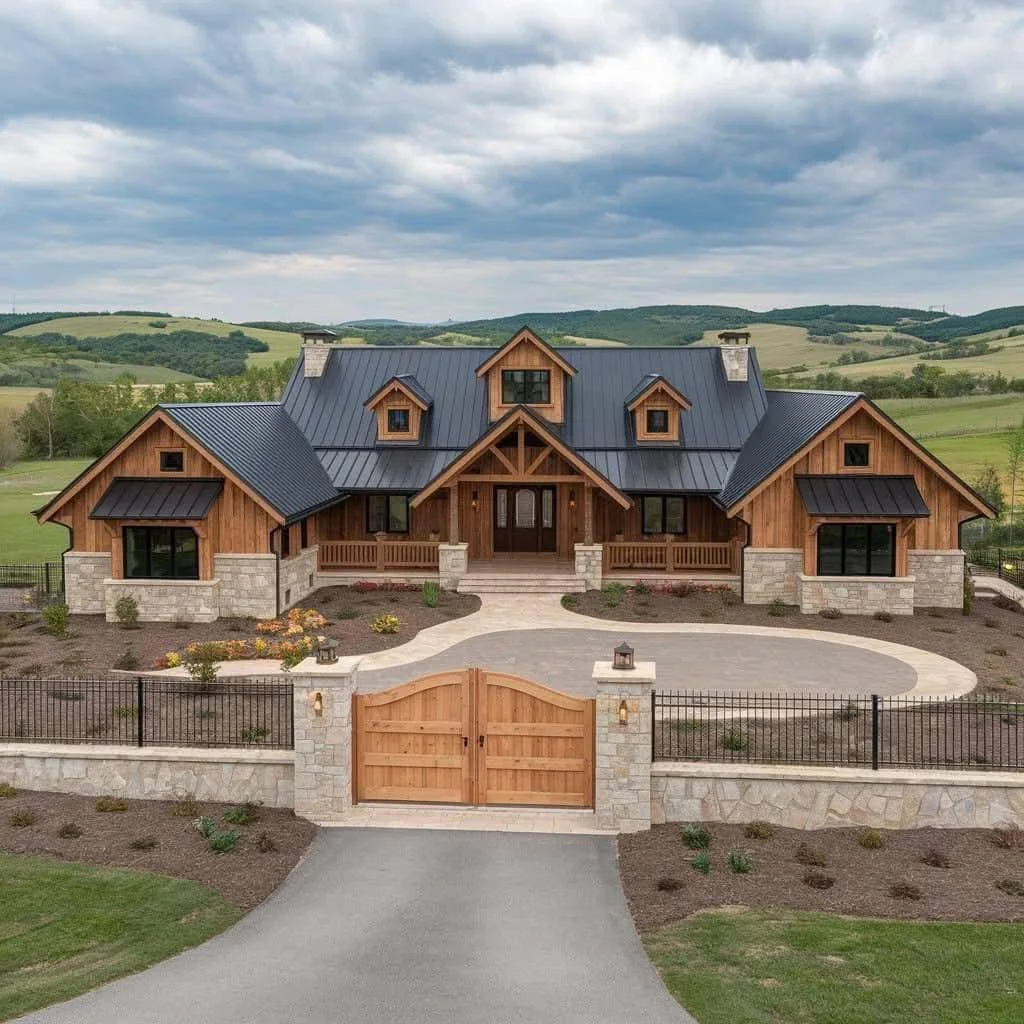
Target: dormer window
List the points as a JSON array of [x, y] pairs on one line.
[[526, 387], [398, 421], [655, 405], [400, 406], [657, 421]]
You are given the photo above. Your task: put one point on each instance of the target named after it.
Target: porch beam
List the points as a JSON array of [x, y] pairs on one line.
[[453, 514], [539, 461], [503, 478], [502, 458]]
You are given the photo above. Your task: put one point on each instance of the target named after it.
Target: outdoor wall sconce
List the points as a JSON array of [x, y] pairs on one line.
[[326, 652], [623, 712], [572, 497], [318, 704], [623, 657], [475, 503]]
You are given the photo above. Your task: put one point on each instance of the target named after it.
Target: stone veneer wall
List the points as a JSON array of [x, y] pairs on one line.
[[939, 577], [588, 560], [84, 574], [152, 773], [772, 574], [857, 595], [797, 797], [452, 563], [247, 585], [166, 600], [298, 576]]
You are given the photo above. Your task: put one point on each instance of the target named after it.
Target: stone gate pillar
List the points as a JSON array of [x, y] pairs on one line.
[[622, 777], [323, 737]]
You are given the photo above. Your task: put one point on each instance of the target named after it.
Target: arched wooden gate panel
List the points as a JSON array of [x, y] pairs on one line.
[[474, 737]]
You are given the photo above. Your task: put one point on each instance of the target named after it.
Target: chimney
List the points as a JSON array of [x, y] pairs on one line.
[[316, 347], [735, 354]]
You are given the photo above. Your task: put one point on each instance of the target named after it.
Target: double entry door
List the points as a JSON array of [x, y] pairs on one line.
[[524, 519]]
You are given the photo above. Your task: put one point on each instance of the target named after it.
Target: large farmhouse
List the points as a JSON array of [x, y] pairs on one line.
[[516, 468]]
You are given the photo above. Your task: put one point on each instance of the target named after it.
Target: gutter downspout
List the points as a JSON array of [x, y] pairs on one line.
[[277, 573]]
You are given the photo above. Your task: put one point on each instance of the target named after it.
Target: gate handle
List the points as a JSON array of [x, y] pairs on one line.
[[465, 742], [481, 742]]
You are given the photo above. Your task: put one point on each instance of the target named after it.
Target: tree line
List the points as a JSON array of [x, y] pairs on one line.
[[924, 381]]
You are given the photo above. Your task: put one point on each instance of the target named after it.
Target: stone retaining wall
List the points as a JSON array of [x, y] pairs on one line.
[[166, 600], [298, 577], [772, 574], [857, 595], [809, 798], [247, 584], [939, 577], [152, 773], [84, 574]]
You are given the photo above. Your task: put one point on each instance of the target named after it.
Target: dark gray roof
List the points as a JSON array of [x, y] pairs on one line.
[[647, 381], [791, 420], [260, 443], [408, 381], [384, 469], [861, 494], [661, 469], [138, 498]]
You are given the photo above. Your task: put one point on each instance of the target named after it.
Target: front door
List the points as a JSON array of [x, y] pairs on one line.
[[524, 519]]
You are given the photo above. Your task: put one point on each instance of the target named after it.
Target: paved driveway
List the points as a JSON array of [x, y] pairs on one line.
[[421, 927]]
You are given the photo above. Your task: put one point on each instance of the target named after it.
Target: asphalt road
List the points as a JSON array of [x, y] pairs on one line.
[[380, 926]]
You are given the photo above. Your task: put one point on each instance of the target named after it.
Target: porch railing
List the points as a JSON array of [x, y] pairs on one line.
[[672, 556], [378, 554]]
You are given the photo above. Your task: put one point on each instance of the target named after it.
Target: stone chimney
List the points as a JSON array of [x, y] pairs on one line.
[[735, 354], [316, 347]]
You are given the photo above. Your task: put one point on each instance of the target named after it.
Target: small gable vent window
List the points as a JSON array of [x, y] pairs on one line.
[[526, 387], [657, 421], [398, 421], [856, 454], [172, 462]]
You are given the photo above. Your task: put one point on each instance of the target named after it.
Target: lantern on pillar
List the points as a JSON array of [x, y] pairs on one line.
[[622, 658]]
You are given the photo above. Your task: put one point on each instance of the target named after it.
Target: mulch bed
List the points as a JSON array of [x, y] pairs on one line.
[[965, 891], [244, 877], [95, 645], [989, 641]]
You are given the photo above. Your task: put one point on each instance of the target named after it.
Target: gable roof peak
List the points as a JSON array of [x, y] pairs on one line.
[[407, 383], [529, 336], [653, 382]]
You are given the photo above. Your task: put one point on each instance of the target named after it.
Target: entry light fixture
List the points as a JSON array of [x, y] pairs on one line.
[[476, 500], [326, 651], [623, 656], [623, 712], [572, 497], [318, 704]]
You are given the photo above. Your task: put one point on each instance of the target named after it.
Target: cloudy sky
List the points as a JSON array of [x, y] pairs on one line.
[[331, 159]]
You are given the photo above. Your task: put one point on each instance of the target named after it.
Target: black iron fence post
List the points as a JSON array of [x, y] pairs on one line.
[[141, 710], [874, 732]]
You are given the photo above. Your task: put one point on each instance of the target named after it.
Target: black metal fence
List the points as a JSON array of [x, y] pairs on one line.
[[827, 729], [46, 578], [147, 712], [1007, 564]]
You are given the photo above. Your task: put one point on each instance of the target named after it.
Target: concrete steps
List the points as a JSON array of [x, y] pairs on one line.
[[521, 583]]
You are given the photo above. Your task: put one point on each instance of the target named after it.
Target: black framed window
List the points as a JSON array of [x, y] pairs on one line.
[[856, 454], [398, 421], [387, 513], [304, 533], [663, 514], [286, 542], [657, 421], [160, 553], [526, 387], [857, 549], [172, 462]]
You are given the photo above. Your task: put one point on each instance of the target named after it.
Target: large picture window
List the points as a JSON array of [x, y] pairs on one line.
[[160, 553], [387, 513], [526, 387], [857, 549], [663, 514]]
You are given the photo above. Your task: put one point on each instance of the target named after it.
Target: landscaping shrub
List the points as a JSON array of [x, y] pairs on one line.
[[7, 790], [830, 613], [69, 830], [21, 819], [254, 734], [810, 856], [702, 863], [205, 826], [612, 594], [870, 839], [201, 662], [570, 600], [1009, 837], [385, 624], [904, 891], [1011, 886], [111, 805], [1006, 603], [223, 842], [759, 830], [696, 836], [641, 589], [683, 589], [881, 616], [778, 608], [56, 617], [818, 880], [936, 859], [127, 612], [999, 652], [431, 593], [144, 843], [669, 884], [740, 862], [186, 807], [127, 660], [244, 814], [265, 844], [734, 739]]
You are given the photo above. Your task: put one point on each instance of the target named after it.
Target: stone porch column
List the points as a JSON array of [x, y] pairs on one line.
[[452, 563], [323, 740], [622, 783], [589, 565]]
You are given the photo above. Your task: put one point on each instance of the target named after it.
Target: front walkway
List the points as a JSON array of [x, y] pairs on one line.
[[413, 927]]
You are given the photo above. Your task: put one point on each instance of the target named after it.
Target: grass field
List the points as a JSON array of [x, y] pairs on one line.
[[67, 928], [17, 398], [779, 346], [24, 487], [777, 967]]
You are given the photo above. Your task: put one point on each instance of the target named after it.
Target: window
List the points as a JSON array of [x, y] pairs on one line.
[[663, 515], [856, 454], [286, 541], [657, 421], [526, 387], [857, 549], [160, 553], [304, 533], [172, 462], [387, 513], [398, 421]]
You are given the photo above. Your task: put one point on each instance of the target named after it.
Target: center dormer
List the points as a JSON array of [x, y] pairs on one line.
[[656, 407], [526, 370]]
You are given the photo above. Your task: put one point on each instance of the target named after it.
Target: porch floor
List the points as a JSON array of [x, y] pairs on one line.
[[521, 564]]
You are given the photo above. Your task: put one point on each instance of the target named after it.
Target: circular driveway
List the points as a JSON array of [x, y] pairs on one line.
[[564, 658]]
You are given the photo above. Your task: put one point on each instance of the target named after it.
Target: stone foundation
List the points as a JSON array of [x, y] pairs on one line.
[[247, 585], [84, 575], [166, 600], [152, 773], [835, 797], [452, 564], [939, 577], [772, 574], [588, 564], [857, 595], [298, 577]]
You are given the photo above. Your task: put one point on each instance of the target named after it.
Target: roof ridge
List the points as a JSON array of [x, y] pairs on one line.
[[208, 405]]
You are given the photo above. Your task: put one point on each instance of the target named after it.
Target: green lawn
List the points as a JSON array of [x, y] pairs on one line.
[[784, 967], [24, 487], [980, 414], [66, 928], [17, 398]]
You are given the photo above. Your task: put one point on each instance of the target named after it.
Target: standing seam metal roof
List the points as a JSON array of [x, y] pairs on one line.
[[146, 498], [861, 494]]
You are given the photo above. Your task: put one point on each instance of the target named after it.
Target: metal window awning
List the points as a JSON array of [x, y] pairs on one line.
[[133, 498], [862, 494]]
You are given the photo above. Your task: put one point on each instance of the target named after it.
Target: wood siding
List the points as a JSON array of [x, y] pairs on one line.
[[527, 356], [347, 521], [704, 521]]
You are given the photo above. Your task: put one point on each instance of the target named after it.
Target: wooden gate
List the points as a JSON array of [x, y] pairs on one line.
[[474, 737]]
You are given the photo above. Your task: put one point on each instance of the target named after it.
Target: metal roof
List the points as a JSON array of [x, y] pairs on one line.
[[384, 469], [260, 444], [138, 498], [791, 420], [861, 494], [408, 381], [651, 470]]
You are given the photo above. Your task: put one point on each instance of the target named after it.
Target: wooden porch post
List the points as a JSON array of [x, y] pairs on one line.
[[588, 513], [453, 514]]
